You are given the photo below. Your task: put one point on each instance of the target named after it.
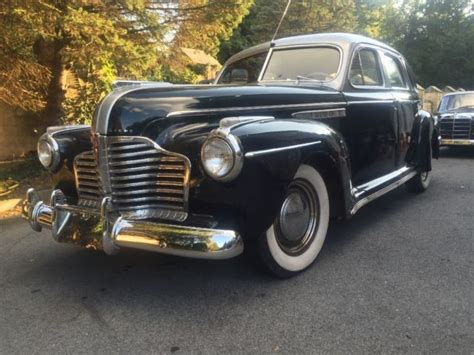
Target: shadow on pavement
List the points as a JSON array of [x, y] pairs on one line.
[[140, 274], [460, 152]]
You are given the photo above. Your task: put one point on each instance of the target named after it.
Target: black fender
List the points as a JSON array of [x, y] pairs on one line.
[[424, 142], [71, 140], [274, 149]]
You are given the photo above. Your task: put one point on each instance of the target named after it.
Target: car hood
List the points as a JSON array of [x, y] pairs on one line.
[[153, 110]]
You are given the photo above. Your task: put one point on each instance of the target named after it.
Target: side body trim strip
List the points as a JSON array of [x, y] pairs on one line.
[[276, 150], [405, 177]]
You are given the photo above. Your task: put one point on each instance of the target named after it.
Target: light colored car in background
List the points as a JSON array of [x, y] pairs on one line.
[[456, 118]]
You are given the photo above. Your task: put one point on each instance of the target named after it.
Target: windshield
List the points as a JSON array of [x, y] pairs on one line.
[[317, 63], [457, 101]]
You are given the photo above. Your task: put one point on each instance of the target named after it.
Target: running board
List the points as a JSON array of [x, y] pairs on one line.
[[371, 190]]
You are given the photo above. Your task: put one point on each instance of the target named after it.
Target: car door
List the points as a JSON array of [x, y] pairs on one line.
[[372, 115], [406, 100]]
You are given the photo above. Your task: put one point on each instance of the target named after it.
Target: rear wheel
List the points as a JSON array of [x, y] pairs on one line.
[[295, 238], [419, 183]]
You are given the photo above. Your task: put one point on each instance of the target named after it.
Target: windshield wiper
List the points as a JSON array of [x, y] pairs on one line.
[[301, 77]]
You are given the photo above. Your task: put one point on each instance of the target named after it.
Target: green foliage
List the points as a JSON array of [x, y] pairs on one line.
[[437, 37], [303, 17], [93, 42]]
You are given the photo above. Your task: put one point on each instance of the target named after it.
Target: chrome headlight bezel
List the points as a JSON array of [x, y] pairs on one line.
[[54, 156], [238, 158]]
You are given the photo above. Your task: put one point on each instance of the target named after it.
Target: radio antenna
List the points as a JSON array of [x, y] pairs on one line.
[[281, 20]]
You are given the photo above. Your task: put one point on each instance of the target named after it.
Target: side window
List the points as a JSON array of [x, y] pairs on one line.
[[243, 71], [365, 70], [393, 71]]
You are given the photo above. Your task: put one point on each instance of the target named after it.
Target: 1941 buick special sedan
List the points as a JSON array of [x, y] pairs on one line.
[[292, 133]]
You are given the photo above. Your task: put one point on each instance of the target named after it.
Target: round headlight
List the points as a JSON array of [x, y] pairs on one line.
[[217, 157], [45, 153]]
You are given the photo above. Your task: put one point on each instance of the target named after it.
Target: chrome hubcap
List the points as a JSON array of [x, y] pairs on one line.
[[297, 222]]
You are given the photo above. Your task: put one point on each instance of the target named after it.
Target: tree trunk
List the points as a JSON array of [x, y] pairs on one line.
[[52, 112]]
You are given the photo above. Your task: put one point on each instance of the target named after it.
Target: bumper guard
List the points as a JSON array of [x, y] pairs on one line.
[[185, 241]]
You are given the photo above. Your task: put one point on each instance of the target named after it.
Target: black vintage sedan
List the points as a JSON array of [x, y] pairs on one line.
[[293, 133], [456, 118]]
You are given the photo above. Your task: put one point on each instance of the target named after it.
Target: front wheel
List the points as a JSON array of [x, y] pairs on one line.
[[295, 238], [419, 183]]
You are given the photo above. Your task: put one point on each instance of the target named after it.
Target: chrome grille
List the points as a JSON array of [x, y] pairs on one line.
[[459, 128], [146, 180], [143, 180], [87, 180]]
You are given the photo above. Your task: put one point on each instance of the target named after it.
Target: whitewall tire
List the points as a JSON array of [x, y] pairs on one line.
[[296, 237], [419, 183]]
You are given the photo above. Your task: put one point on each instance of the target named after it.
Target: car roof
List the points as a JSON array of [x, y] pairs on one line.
[[345, 40]]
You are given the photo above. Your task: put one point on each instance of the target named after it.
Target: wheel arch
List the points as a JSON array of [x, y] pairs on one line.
[[424, 143], [325, 164]]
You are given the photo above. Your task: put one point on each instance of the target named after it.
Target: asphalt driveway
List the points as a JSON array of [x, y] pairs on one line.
[[398, 277]]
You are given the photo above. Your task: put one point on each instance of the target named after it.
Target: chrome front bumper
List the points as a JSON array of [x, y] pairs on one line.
[[443, 141], [103, 231]]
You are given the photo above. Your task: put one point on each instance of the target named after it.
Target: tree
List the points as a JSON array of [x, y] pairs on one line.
[[437, 38], [303, 17], [371, 16], [96, 41], [201, 24]]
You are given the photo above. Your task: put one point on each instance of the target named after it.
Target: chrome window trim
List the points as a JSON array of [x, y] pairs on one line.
[[221, 72], [311, 45], [355, 51], [250, 108], [401, 66], [257, 153]]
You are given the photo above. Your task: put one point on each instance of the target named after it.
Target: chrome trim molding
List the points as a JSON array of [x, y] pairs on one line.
[[362, 202], [276, 150], [296, 46], [250, 108], [107, 164], [371, 102], [101, 119], [445, 141], [320, 114], [41, 215], [234, 143], [53, 130], [232, 122], [191, 242], [56, 156]]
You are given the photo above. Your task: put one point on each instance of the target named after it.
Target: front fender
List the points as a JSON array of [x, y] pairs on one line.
[[279, 147]]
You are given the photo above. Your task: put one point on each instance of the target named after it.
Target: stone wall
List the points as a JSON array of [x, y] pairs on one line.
[[431, 96], [18, 133]]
